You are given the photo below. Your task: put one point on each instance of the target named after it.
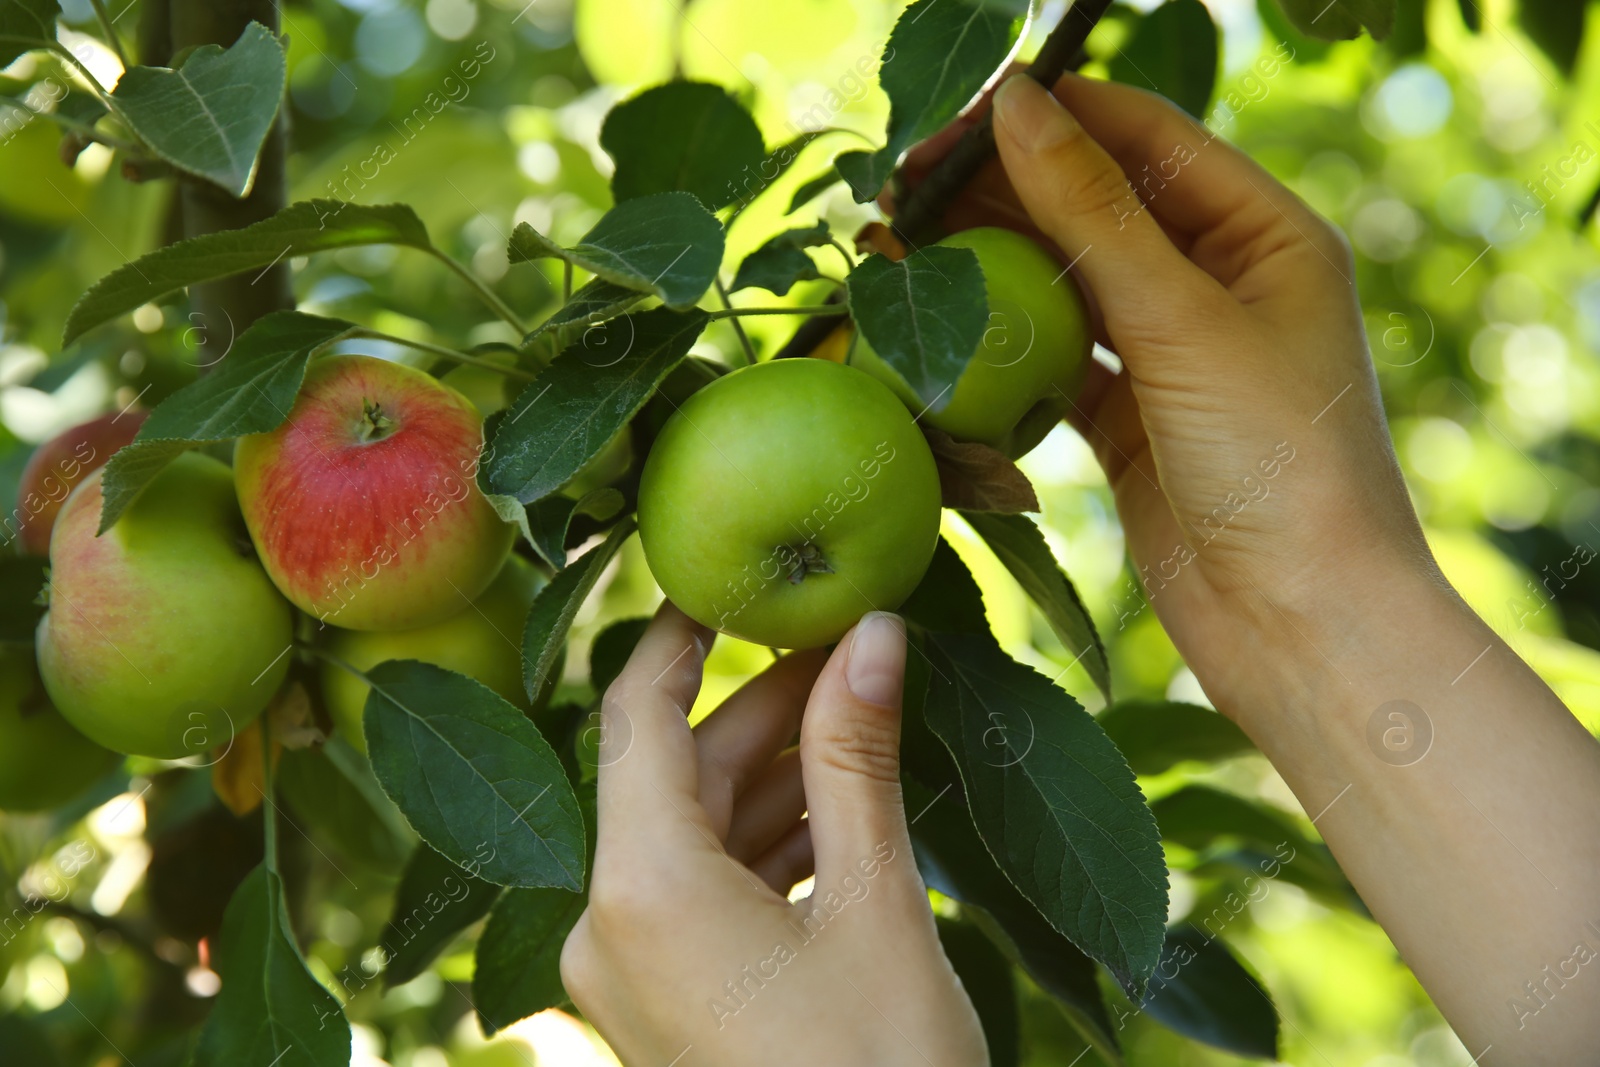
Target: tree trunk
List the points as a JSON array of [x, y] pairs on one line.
[[225, 308]]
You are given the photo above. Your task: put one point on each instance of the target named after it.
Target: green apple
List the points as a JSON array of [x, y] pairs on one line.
[[1033, 355], [482, 641], [44, 762], [786, 500], [364, 505], [164, 636], [57, 466]]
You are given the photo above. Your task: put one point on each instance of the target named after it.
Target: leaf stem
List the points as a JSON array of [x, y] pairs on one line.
[[269, 810], [486, 294], [83, 129], [440, 350], [71, 57], [110, 31], [566, 280], [804, 309], [744, 338], [843, 251]]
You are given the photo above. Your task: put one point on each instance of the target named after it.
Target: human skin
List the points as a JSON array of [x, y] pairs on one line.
[[164, 635], [1302, 614], [364, 504]]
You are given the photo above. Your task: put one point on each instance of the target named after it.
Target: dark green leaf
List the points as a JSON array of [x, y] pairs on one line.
[[686, 136], [1155, 734], [947, 599], [813, 189], [1471, 16], [24, 26], [611, 650], [435, 902], [21, 580], [210, 117], [519, 955], [938, 57], [271, 1012], [781, 262], [594, 302], [954, 861], [250, 390], [1201, 991], [1054, 801], [1017, 542], [1338, 20], [986, 975], [473, 776], [1174, 53], [583, 399], [664, 244], [331, 791], [297, 230], [557, 603], [1556, 26], [550, 519], [924, 316]]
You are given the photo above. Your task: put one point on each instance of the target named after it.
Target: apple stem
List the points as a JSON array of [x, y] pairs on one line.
[[808, 559]]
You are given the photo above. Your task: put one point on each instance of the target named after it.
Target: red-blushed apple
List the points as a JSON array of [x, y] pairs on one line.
[[164, 636], [483, 640], [56, 467], [44, 762], [364, 504]]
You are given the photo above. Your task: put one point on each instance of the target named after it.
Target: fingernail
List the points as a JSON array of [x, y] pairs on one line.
[[877, 660], [1033, 117]]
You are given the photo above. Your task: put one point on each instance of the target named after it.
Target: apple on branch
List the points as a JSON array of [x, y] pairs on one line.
[[58, 465], [364, 505]]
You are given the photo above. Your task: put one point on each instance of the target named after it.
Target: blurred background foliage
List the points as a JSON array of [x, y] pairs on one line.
[[1458, 161]]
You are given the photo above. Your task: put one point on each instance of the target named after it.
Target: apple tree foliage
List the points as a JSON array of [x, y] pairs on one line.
[[1027, 808]]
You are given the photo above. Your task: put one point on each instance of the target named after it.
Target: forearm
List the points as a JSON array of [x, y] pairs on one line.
[[1468, 818]]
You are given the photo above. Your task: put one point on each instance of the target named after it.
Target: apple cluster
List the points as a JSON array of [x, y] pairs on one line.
[[357, 528]]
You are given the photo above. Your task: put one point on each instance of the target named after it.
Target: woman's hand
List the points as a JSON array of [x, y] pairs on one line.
[[689, 952]]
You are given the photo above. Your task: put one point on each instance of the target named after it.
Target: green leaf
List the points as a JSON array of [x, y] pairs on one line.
[[594, 302], [683, 136], [1018, 543], [937, 59], [954, 861], [1156, 734], [332, 791], [781, 262], [947, 599], [1341, 20], [611, 650], [1174, 53], [557, 604], [518, 969], [924, 315], [1556, 26], [435, 902], [473, 776], [250, 390], [297, 230], [985, 973], [271, 1012], [813, 189], [21, 580], [26, 25], [211, 116], [549, 520], [1201, 991], [666, 244], [583, 399], [1054, 801]]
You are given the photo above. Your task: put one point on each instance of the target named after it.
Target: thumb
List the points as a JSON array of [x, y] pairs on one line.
[[850, 755], [1079, 197]]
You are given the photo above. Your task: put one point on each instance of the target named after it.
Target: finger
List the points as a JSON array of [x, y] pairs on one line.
[[789, 861], [1152, 297], [742, 737], [647, 753], [772, 804], [850, 758]]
